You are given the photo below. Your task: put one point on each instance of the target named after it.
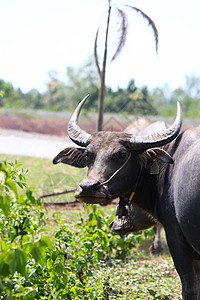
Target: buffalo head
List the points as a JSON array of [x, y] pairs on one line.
[[114, 159]]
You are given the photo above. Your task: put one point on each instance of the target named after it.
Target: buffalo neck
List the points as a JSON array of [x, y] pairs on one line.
[[151, 190], [146, 194]]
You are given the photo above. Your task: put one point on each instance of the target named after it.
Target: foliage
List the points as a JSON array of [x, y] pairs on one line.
[[35, 266], [76, 256], [100, 241], [59, 96], [1, 93], [1, 96], [21, 239], [11, 95], [81, 260], [131, 100], [188, 95], [80, 81], [52, 179]]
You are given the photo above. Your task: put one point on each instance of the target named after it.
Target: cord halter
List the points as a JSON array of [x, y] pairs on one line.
[[116, 172]]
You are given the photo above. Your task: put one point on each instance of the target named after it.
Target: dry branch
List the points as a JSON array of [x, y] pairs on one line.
[[58, 193], [61, 203]]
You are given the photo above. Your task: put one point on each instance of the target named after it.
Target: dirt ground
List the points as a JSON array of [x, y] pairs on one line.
[[54, 125], [40, 125]]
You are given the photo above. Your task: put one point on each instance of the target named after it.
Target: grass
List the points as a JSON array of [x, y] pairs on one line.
[[142, 276], [46, 178]]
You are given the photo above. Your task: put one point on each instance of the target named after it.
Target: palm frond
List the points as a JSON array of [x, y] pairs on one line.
[[150, 21], [122, 32], [95, 53]]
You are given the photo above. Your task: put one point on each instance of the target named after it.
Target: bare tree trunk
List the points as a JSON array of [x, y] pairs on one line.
[[103, 74]]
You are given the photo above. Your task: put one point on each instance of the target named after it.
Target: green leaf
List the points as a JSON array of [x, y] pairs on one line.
[[9, 283], [59, 268], [91, 216], [4, 269], [152, 292], [27, 245], [30, 295], [11, 184], [12, 266], [2, 176], [21, 261], [45, 242], [5, 204], [20, 185], [1, 93], [37, 254], [89, 273]]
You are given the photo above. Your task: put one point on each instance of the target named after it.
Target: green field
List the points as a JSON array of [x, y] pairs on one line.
[[44, 177], [139, 276]]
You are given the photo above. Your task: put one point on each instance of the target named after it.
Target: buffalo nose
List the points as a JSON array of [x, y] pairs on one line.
[[88, 185]]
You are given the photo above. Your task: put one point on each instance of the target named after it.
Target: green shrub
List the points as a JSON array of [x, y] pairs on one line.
[[21, 239], [34, 266], [100, 240]]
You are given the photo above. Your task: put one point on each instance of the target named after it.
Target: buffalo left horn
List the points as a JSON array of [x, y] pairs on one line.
[[158, 139], [76, 134]]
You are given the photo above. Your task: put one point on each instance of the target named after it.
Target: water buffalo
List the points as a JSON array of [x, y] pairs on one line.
[[158, 172]]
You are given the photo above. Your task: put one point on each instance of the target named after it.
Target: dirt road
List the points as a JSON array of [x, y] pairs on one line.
[[31, 144]]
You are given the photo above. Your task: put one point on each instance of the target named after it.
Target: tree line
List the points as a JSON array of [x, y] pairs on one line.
[[60, 95]]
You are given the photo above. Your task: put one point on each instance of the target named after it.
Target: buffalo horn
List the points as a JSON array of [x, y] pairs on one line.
[[158, 139], [76, 134]]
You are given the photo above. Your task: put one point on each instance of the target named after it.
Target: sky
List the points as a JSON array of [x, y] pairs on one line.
[[37, 36]]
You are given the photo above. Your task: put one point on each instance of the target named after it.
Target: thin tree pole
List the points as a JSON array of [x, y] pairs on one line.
[[103, 75], [121, 43]]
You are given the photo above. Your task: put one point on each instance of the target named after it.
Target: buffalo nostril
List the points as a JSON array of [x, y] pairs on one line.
[[95, 186], [88, 185], [121, 210]]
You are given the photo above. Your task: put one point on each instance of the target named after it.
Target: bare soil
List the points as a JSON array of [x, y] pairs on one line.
[[39, 125], [54, 125]]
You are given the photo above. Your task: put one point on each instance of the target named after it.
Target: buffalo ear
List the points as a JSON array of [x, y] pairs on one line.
[[154, 154], [72, 156], [160, 154]]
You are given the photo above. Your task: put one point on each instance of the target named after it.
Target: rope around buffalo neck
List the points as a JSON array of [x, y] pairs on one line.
[[116, 172]]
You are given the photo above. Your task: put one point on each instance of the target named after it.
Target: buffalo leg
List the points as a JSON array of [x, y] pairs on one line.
[[182, 255], [197, 270], [157, 246]]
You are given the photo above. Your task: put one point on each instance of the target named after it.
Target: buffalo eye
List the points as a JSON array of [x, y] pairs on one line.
[[90, 156], [121, 155]]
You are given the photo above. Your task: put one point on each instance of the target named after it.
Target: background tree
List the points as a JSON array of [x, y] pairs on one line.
[[82, 81], [123, 29], [33, 99], [65, 95], [55, 96], [130, 100], [11, 95]]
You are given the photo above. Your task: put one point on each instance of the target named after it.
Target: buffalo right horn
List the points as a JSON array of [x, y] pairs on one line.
[[76, 134], [158, 139]]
